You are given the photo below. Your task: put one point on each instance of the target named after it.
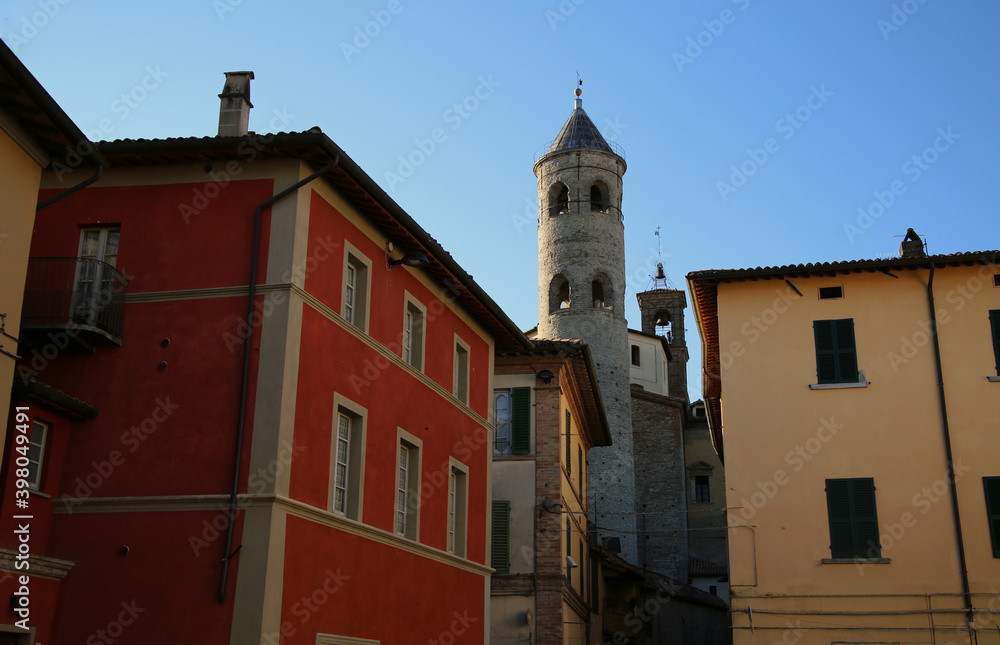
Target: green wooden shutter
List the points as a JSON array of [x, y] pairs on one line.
[[836, 355], [579, 465], [520, 420], [992, 487], [995, 328], [595, 585], [569, 446], [501, 536], [569, 549], [853, 520], [865, 519]]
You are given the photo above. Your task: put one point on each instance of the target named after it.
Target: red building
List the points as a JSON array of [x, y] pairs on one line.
[[304, 460]]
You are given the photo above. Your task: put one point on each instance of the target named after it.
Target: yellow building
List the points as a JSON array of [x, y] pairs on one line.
[[856, 406], [548, 413], [34, 134]]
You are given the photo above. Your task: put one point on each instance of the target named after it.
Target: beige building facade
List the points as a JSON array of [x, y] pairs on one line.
[[856, 406], [548, 414]]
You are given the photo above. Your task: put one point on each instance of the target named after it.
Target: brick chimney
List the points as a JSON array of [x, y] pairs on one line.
[[234, 113], [912, 246]]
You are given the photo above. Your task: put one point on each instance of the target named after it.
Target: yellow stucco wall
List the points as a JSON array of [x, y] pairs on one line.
[[20, 176], [783, 440]]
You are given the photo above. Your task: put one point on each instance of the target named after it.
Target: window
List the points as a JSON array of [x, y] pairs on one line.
[[702, 489], [601, 291], [458, 494], [569, 445], [996, 280], [500, 544], [461, 386], [595, 585], [599, 197], [512, 418], [853, 521], [569, 550], [579, 466], [635, 355], [408, 486], [836, 358], [95, 275], [413, 332], [992, 489], [559, 293], [36, 453], [558, 199], [995, 331], [347, 458], [357, 286], [831, 293]]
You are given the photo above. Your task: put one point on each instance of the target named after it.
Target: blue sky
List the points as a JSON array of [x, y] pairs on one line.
[[756, 133]]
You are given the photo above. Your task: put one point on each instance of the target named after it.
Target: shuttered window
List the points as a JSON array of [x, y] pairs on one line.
[[501, 536], [992, 486], [995, 329], [853, 520], [569, 445], [595, 585], [520, 419], [836, 356]]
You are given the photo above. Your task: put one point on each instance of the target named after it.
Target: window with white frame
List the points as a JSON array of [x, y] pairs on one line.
[[458, 493], [36, 453], [347, 459], [461, 370], [357, 286], [407, 515], [414, 317]]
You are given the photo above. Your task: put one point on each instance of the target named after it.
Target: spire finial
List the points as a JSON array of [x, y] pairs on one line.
[[578, 102]]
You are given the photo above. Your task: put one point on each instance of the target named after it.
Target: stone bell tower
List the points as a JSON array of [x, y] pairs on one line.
[[581, 294]]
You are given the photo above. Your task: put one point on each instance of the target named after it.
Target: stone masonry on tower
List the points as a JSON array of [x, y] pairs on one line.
[[581, 293]]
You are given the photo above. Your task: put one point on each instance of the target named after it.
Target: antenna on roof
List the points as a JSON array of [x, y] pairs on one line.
[[660, 280]]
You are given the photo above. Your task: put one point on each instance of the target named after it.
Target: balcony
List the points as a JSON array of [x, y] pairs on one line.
[[81, 296]]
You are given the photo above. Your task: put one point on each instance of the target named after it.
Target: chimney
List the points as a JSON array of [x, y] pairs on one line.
[[912, 246], [234, 113]]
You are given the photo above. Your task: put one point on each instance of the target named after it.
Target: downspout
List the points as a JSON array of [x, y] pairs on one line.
[[72, 189], [966, 592], [244, 380]]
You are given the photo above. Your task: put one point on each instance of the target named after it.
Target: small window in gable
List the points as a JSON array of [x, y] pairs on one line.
[[831, 293]]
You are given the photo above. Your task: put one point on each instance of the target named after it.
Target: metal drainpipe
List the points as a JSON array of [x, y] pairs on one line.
[[966, 593], [241, 417], [72, 189]]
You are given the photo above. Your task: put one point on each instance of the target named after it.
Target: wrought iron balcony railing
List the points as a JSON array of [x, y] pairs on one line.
[[80, 294]]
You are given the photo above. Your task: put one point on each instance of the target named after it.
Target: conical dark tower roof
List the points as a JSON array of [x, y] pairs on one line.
[[579, 132]]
